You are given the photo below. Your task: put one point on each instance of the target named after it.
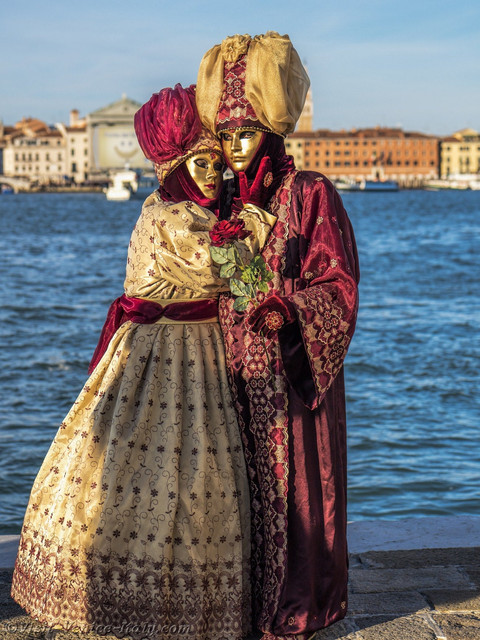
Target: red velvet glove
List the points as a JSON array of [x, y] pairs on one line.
[[271, 315], [257, 194]]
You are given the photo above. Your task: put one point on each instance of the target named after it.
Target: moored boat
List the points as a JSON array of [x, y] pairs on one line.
[[378, 185], [124, 183]]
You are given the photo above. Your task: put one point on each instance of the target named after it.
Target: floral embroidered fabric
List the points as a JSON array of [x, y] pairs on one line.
[[139, 517]]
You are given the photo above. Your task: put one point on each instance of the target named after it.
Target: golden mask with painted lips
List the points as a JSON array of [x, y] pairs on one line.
[[239, 146], [206, 170]]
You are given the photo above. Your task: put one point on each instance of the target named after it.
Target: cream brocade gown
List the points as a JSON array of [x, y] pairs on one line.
[[138, 521]]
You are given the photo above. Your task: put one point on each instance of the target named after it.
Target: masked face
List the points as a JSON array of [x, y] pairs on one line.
[[206, 170], [240, 146]]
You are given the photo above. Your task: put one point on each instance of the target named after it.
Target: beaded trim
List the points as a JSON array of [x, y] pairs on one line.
[[252, 128]]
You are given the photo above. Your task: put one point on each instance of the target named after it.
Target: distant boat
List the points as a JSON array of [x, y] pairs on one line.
[[347, 185], [436, 185], [367, 185], [378, 185], [124, 183], [460, 181]]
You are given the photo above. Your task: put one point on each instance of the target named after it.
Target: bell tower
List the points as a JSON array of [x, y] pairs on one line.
[[305, 122]]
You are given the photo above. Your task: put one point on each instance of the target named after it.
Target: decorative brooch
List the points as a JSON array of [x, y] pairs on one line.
[[274, 320]]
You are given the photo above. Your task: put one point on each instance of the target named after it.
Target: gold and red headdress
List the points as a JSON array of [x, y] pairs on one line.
[[169, 130], [256, 82]]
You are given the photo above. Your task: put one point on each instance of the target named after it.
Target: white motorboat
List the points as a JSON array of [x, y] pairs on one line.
[[440, 183], [347, 185], [124, 183]]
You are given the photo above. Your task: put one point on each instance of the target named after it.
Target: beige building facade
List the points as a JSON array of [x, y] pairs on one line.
[[35, 151], [112, 139], [460, 153], [77, 147], [87, 148]]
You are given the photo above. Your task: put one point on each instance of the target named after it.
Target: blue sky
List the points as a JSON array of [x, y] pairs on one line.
[[414, 64]]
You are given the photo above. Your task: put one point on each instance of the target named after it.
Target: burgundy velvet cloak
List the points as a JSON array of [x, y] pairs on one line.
[[295, 436]]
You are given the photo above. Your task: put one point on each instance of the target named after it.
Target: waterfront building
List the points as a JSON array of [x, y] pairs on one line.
[[377, 153], [460, 153], [89, 148], [113, 143], [77, 147], [36, 151]]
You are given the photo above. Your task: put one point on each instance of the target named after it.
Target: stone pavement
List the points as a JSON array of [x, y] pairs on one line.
[[422, 594]]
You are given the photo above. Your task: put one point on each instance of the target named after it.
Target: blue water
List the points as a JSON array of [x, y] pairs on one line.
[[411, 373]]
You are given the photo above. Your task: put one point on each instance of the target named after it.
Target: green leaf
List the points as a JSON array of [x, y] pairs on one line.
[[238, 288], [258, 262], [227, 270], [249, 274], [219, 254], [267, 276], [263, 286], [232, 254], [241, 303]]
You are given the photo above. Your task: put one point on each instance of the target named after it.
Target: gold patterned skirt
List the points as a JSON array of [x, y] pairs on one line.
[[138, 521]]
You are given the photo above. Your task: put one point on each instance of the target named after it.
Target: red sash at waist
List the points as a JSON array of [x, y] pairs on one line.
[[148, 312]]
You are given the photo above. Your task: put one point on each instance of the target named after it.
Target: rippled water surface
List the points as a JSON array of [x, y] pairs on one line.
[[411, 373]]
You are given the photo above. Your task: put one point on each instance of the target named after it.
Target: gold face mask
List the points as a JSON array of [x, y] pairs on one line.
[[240, 146], [206, 170]]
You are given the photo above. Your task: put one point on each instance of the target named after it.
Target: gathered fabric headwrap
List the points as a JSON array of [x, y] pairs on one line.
[[253, 82], [169, 131]]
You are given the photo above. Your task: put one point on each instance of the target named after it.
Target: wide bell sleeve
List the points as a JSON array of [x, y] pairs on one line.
[[326, 300], [260, 223]]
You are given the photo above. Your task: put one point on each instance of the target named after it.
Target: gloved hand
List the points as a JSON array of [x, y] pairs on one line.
[[257, 194], [272, 314]]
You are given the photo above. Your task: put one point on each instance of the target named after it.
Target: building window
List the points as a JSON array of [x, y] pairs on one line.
[[74, 167], [72, 152]]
